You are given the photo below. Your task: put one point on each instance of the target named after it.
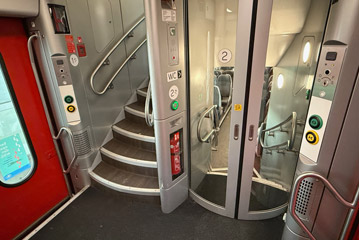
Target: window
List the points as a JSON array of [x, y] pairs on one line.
[[17, 157]]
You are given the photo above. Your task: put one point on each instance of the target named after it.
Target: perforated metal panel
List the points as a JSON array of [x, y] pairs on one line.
[[82, 143], [305, 191]]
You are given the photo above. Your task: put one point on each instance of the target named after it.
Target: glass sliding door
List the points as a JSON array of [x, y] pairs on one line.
[[278, 101], [212, 57]]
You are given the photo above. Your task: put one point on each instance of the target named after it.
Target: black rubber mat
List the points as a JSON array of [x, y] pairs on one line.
[[99, 215]]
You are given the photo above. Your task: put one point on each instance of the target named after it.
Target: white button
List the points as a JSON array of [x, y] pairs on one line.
[[322, 94]]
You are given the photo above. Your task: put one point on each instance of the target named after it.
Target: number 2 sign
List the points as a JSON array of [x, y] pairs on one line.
[[225, 55]]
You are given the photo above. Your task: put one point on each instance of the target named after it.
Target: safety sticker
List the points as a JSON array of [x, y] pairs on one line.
[[237, 107], [70, 44], [168, 15]]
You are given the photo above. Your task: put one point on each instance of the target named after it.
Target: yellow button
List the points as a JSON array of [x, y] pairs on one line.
[[71, 108], [312, 137]]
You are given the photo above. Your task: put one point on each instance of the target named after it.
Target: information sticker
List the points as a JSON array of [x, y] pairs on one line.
[[168, 15]]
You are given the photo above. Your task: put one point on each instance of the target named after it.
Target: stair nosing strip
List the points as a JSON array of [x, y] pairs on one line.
[[133, 135], [141, 93], [135, 112], [123, 188], [127, 160]]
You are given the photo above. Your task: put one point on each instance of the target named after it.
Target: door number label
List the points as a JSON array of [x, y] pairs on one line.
[[173, 92], [225, 55], [175, 75]]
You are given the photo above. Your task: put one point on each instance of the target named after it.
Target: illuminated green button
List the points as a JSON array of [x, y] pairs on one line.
[[316, 122], [174, 105], [69, 99]]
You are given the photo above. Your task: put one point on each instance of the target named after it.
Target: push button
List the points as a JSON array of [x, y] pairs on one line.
[[312, 137], [316, 122], [174, 105], [71, 108], [69, 99]]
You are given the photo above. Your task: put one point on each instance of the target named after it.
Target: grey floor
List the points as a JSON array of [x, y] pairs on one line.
[[99, 215]]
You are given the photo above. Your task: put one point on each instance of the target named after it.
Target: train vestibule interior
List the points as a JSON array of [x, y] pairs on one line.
[[170, 119]]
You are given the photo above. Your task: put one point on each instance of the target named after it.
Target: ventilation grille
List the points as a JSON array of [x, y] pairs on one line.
[[303, 198], [82, 143]]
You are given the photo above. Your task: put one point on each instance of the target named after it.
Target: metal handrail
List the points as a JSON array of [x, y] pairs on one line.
[[44, 103], [289, 143], [109, 53], [148, 116], [74, 158], [214, 130], [332, 190]]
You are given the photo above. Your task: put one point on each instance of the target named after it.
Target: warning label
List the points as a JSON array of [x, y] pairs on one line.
[[70, 44]]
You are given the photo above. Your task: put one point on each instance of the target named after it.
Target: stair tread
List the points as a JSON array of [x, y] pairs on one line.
[[137, 106], [135, 127], [127, 150], [125, 178]]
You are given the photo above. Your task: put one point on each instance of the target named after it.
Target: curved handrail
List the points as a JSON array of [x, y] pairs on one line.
[[109, 53], [331, 189], [74, 158], [44, 103], [213, 131], [148, 116], [289, 143]]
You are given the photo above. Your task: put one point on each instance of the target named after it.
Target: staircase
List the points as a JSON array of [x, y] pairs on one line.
[[128, 163]]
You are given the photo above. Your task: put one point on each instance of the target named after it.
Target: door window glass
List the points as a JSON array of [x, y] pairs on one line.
[[17, 158], [212, 39]]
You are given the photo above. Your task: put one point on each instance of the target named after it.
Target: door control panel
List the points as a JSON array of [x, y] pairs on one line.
[[326, 79], [64, 83]]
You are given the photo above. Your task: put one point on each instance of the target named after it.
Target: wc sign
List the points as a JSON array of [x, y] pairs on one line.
[[175, 75]]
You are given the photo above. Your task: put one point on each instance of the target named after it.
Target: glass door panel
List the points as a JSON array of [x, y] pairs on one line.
[[212, 40], [291, 61]]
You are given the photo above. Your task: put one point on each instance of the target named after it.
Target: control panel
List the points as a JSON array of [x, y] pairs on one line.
[[326, 79], [165, 36], [64, 82]]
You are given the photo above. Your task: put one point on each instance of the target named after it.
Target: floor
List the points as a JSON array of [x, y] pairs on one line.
[[99, 215]]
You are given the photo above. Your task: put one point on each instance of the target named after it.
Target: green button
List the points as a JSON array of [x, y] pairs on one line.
[[69, 99], [174, 105], [316, 122]]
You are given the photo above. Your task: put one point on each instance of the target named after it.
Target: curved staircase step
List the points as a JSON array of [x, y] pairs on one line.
[[129, 154], [124, 181]]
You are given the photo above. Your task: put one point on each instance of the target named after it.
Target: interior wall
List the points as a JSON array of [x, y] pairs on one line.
[[225, 29], [114, 18], [281, 166]]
